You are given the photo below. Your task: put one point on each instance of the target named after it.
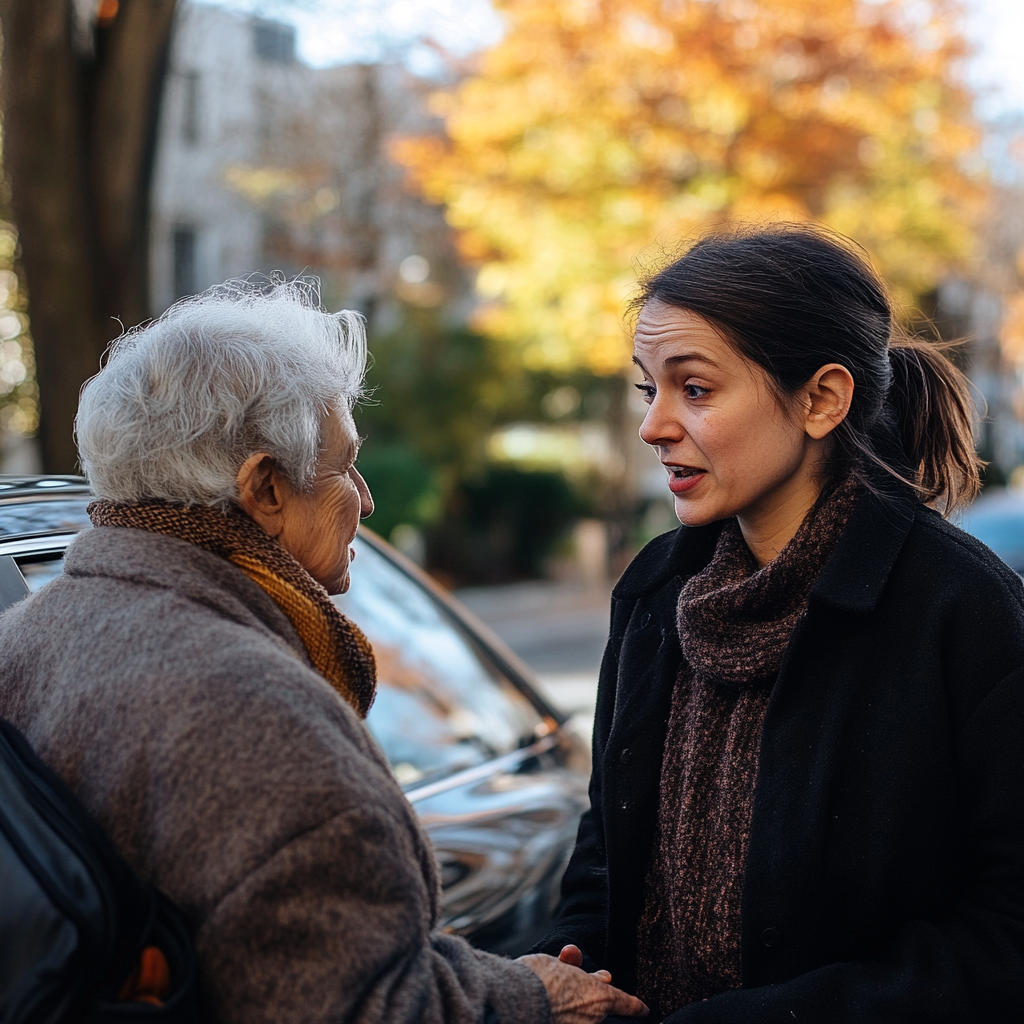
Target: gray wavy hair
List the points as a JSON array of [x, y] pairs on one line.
[[247, 366]]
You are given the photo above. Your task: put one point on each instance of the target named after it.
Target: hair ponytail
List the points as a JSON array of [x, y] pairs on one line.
[[934, 412], [793, 297]]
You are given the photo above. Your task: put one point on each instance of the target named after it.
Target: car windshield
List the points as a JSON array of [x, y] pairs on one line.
[[440, 705]]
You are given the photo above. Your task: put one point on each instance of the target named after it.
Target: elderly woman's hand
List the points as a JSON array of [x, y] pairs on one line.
[[580, 998]]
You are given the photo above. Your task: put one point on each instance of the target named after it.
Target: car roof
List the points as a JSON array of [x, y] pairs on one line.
[[41, 506], [21, 487]]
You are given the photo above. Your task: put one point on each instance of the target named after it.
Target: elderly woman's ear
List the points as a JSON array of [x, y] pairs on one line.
[[263, 492]]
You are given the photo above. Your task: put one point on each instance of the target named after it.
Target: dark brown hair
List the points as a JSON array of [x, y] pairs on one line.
[[794, 297]]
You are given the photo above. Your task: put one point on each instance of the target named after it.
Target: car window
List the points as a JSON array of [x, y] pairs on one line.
[[43, 517], [441, 706], [38, 571]]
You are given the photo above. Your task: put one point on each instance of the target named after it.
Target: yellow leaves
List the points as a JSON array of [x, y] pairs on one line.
[[598, 127], [492, 280], [768, 208], [760, 166], [645, 34], [418, 155], [721, 111], [577, 13]]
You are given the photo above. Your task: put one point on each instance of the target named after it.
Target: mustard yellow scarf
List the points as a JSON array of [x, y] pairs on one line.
[[337, 647]]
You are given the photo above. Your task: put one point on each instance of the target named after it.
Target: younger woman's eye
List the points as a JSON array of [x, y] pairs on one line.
[[647, 390], [694, 391]]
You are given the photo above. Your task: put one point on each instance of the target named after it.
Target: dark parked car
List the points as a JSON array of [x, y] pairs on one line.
[[496, 777], [997, 519]]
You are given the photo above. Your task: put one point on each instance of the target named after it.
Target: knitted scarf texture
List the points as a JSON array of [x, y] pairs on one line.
[[337, 647], [735, 622]]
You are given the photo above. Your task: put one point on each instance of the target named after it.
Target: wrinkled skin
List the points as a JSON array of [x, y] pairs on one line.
[[577, 997], [316, 527]]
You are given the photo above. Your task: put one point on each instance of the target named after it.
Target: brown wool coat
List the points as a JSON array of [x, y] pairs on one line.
[[176, 699]]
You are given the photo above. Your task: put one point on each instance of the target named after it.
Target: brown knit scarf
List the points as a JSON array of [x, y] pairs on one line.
[[735, 621], [337, 647]]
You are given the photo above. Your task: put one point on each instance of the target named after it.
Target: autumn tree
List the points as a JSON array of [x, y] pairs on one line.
[[81, 90], [597, 131]]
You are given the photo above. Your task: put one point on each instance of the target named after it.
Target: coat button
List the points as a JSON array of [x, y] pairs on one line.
[[626, 756], [771, 937], [644, 619], [625, 805]]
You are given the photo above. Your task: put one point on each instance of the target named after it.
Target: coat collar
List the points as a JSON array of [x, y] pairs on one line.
[[167, 563], [859, 568], [853, 578], [681, 553]]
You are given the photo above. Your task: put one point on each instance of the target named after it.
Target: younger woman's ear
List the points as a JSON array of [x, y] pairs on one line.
[[829, 394], [262, 492]]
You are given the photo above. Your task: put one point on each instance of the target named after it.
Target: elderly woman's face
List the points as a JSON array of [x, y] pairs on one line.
[[318, 528]]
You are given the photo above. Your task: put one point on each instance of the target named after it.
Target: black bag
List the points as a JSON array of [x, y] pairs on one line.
[[74, 917]]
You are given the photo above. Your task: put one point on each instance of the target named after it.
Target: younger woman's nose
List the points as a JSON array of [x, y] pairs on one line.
[[658, 429]]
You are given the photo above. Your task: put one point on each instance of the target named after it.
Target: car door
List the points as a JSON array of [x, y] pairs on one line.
[[482, 761]]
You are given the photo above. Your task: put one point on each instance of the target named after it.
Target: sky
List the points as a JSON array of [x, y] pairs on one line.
[[337, 31], [996, 29]]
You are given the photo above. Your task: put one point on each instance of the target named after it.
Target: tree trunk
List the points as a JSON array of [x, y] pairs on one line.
[[79, 139]]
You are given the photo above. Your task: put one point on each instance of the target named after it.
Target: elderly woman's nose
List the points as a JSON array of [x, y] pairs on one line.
[[365, 498]]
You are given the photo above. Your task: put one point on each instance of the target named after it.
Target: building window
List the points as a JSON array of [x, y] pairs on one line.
[[274, 41], [190, 107], [184, 262]]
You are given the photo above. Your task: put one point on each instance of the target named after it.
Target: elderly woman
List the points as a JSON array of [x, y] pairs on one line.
[[190, 678]]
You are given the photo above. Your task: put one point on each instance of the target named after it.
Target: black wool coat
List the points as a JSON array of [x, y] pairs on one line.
[[885, 876]]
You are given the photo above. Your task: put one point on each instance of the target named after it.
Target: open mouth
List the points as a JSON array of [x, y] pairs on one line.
[[682, 478]]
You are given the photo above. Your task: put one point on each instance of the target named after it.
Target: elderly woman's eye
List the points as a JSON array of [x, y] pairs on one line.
[[647, 390]]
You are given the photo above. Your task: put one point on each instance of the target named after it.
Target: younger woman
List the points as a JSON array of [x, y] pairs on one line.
[[808, 791]]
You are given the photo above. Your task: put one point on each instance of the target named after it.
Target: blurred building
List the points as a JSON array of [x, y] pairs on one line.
[[982, 313], [967, 311], [264, 163]]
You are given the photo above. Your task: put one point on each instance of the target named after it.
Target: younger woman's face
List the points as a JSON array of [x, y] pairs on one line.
[[729, 446]]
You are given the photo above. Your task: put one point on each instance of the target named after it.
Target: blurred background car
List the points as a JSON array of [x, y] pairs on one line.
[[997, 519], [496, 776]]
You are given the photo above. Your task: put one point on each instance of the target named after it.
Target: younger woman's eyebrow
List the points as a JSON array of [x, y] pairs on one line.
[[682, 357], [690, 357]]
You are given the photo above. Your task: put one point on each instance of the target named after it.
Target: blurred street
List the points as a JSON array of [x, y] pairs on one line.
[[558, 629]]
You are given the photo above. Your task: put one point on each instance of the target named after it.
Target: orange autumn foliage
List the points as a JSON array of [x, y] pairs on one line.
[[599, 131]]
